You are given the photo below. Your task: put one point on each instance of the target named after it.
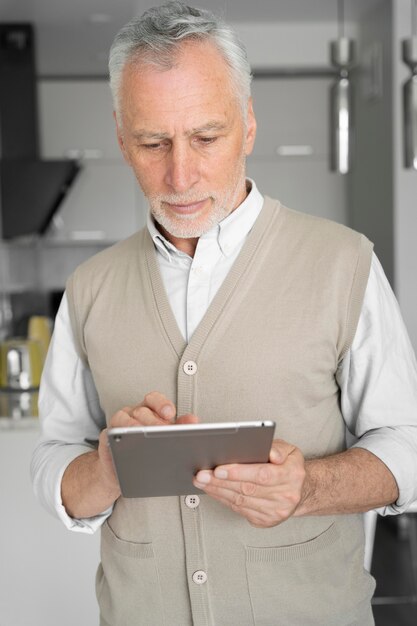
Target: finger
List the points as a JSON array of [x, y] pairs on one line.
[[146, 417], [231, 490], [267, 508], [122, 419], [135, 416], [242, 504], [103, 446], [189, 418], [160, 405], [259, 473], [106, 459], [280, 451]]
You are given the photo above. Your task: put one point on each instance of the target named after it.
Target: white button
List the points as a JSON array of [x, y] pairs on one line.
[[190, 368], [192, 502], [199, 577]]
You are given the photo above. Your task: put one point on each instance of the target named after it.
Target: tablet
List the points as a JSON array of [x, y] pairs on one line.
[[162, 460]]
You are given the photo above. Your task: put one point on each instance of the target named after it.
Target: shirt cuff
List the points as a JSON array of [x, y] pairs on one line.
[[397, 452]]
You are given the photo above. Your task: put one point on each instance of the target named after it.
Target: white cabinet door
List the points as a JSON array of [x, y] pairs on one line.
[[76, 116], [103, 204], [291, 160], [292, 113], [76, 121], [303, 185]]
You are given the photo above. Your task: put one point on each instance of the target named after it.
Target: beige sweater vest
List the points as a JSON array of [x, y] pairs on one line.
[[267, 348]]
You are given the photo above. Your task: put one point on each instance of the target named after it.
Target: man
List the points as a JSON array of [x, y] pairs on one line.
[[283, 316]]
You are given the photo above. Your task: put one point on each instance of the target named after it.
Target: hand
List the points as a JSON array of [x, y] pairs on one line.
[[266, 494], [89, 485], [155, 409]]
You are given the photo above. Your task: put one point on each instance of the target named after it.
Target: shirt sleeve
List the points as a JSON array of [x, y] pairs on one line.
[[71, 420], [378, 382]]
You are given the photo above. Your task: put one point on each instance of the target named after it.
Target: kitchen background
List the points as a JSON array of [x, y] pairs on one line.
[[47, 573]]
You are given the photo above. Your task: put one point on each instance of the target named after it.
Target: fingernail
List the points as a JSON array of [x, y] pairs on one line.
[[275, 456], [220, 473], [167, 412], [203, 477]]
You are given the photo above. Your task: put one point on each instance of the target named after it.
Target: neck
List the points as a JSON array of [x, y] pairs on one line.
[[183, 244]]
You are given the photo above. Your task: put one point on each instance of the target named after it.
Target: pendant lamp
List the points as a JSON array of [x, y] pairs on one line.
[[409, 49], [342, 54]]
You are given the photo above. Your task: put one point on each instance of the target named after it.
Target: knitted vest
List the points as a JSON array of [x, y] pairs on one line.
[[267, 348]]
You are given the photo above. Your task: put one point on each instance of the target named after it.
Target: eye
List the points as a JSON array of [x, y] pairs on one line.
[[155, 146], [206, 140], [151, 146]]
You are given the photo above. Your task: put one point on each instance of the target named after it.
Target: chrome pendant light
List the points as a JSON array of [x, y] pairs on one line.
[[409, 47], [342, 53]]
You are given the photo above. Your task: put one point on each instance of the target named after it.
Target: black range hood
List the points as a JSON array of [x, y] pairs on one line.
[[31, 189]]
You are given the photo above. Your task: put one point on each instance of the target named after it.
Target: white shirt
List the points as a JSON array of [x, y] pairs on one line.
[[377, 377]]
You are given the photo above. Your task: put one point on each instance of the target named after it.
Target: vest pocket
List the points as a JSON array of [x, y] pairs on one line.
[[127, 583], [315, 582]]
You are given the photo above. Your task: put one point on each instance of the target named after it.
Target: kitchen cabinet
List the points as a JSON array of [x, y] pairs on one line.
[[290, 160], [76, 117], [305, 185], [105, 202], [47, 573], [292, 113]]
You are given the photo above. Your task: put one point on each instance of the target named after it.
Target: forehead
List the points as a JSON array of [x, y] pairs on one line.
[[198, 81]]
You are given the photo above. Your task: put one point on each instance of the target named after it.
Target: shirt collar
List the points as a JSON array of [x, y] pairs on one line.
[[229, 232]]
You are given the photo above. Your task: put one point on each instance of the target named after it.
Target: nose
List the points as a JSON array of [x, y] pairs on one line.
[[182, 171]]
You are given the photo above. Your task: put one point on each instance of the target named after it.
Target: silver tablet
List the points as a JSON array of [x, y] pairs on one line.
[[162, 460]]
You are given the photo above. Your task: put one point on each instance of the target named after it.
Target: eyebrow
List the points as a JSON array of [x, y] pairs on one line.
[[142, 134], [208, 127]]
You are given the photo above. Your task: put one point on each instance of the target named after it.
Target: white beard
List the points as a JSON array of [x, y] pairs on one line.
[[196, 224]]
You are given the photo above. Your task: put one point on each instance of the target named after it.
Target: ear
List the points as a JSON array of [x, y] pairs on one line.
[[121, 140], [250, 128]]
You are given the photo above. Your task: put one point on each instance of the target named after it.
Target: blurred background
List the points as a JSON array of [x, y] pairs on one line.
[[337, 124]]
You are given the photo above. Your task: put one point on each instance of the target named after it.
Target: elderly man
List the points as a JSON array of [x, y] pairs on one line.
[[286, 317]]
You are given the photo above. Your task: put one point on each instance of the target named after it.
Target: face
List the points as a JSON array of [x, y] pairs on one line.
[[183, 132]]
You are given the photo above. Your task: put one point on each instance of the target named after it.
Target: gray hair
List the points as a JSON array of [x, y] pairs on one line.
[[155, 37]]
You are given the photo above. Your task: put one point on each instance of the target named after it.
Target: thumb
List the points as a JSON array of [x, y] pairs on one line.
[[280, 451]]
